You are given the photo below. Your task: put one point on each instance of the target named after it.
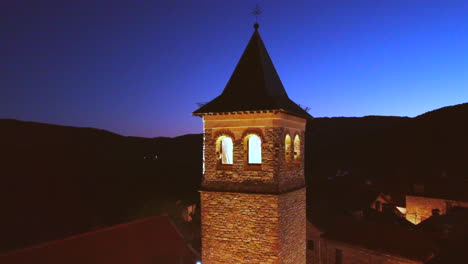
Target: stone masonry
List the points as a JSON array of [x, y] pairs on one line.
[[253, 228], [253, 213], [272, 176]]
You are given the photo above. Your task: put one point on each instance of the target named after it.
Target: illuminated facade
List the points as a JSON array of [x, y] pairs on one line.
[[420, 208], [253, 208]]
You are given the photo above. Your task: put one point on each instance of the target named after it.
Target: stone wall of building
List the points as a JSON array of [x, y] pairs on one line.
[[313, 248], [292, 227], [239, 228], [272, 175], [290, 172], [253, 228], [357, 255], [325, 252], [253, 213], [419, 208]]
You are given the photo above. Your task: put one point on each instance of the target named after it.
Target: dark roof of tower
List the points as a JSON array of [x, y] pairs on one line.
[[254, 85]]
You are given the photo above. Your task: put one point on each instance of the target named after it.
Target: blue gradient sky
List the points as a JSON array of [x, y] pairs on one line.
[[138, 67]]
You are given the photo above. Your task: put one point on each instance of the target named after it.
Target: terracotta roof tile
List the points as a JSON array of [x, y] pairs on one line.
[[145, 241]]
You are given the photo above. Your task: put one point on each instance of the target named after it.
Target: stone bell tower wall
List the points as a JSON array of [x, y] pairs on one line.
[[253, 228], [253, 213], [272, 176]]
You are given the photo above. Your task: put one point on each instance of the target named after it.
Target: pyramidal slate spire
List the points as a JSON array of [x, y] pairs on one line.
[[254, 85]]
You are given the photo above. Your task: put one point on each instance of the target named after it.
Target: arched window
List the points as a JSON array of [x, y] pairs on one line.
[[255, 149], [297, 148], [224, 147], [287, 149]]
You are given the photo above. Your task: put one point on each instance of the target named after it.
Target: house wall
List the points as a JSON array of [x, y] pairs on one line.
[[419, 208], [325, 252], [313, 233], [356, 255]]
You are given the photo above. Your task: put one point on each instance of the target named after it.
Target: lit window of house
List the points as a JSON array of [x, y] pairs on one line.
[[255, 149], [224, 147]]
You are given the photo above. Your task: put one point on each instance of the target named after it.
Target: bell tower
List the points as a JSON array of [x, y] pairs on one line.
[[253, 204]]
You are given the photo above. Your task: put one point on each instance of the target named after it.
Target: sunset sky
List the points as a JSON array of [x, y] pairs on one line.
[[138, 68]]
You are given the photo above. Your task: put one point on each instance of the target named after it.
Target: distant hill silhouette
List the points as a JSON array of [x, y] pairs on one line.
[[394, 149], [330, 142], [58, 180], [391, 152]]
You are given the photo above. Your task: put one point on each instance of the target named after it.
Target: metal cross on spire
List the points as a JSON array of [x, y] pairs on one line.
[[256, 12]]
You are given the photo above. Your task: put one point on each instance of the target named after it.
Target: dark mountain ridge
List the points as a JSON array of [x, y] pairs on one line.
[[58, 180], [430, 148]]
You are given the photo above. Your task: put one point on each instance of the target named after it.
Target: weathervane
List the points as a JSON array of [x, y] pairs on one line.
[[256, 12]]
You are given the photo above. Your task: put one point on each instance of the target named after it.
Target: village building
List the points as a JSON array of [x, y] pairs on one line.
[[435, 197]]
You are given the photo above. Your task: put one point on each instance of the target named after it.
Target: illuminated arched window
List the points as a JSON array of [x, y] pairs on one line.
[[287, 149], [224, 147], [255, 149], [297, 148]]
